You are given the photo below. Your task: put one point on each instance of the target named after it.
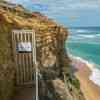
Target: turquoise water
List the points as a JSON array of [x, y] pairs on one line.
[[85, 43]]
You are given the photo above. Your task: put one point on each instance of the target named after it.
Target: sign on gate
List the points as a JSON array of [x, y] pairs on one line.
[[24, 47]]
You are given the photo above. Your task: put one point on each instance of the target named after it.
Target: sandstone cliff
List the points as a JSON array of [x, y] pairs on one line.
[[51, 55]]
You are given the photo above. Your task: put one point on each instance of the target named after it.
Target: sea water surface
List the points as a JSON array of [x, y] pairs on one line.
[[84, 43]]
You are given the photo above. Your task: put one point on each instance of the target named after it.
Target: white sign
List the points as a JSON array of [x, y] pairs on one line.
[[24, 47]]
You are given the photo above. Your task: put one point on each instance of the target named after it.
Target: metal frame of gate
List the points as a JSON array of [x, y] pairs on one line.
[[24, 60]]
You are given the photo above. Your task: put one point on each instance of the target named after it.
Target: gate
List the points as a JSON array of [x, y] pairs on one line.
[[22, 41]]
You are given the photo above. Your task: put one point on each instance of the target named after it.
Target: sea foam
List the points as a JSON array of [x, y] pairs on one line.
[[87, 36], [95, 76]]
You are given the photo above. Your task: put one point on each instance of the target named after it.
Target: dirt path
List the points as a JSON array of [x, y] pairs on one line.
[[25, 93]]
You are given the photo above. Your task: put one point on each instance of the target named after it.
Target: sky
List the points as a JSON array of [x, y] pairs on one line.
[[71, 13]]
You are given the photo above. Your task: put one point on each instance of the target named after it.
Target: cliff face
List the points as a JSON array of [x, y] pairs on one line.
[[52, 59]]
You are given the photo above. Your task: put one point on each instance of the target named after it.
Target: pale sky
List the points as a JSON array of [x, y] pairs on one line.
[[67, 12]]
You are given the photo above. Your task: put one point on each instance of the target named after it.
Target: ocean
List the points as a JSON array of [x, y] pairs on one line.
[[84, 43]]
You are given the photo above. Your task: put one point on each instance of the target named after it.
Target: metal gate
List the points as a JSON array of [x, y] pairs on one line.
[[22, 41]]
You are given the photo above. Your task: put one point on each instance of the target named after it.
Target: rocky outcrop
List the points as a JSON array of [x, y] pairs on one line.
[[54, 65]]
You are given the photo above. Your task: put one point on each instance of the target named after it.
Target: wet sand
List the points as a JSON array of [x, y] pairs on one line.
[[90, 90]]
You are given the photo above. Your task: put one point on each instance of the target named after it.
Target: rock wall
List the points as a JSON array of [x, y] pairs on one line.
[[54, 65], [6, 61], [53, 62]]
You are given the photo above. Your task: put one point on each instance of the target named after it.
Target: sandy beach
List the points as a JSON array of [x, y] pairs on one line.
[[90, 90]]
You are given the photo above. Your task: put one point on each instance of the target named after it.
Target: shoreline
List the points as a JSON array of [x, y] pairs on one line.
[[83, 71]]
